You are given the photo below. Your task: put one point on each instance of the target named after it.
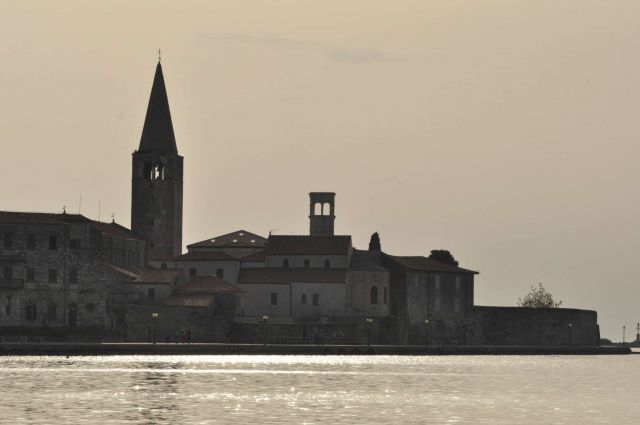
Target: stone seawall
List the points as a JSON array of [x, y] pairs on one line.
[[84, 349], [533, 326]]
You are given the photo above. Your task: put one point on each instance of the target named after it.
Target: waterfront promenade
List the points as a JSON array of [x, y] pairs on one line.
[[69, 349]]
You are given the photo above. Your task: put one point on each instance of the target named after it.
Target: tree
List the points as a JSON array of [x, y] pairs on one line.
[[538, 298], [443, 256], [374, 242]]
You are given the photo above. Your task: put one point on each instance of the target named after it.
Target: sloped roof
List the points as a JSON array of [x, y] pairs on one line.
[[308, 245], [239, 238], [157, 276], [18, 217], [256, 256], [427, 264], [157, 133], [365, 261], [115, 230], [189, 300], [206, 256], [277, 275], [208, 285]]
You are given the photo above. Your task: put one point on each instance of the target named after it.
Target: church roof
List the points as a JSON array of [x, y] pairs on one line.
[[157, 133], [427, 264], [237, 239], [208, 285], [308, 245], [365, 261]]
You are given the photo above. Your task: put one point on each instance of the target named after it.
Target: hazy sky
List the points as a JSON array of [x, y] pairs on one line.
[[505, 131]]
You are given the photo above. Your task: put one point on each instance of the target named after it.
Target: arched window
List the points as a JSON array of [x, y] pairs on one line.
[[327, 264], [385, 296], [374, 295], [306, 263], [285, 263], [326, 209], [317, 209]]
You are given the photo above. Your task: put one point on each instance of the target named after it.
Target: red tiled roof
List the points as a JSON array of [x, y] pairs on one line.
[[157, 276], [239, 238], [208, 285], [308, 245], [277, 275], [16, 217], [206, 256], [115, 230], [123, 271], [427, 264]]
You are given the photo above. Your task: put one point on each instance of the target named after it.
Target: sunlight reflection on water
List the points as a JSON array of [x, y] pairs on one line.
[[320, 389]]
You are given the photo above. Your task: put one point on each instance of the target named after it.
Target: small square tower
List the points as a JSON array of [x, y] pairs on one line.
[[321, 213]]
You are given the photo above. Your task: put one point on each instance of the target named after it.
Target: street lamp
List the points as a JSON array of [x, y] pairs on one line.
[[265, 318], [570, 334], [154, 317], [368, 321], [624, 330], [427, 322]]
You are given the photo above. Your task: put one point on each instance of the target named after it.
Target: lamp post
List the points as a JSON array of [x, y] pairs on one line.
[[427, 322], [570, 334], [624, 330], [265, 318], [154, 317], [369, 322]]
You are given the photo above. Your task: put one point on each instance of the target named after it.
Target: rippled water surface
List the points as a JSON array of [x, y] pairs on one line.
[[317, 389]]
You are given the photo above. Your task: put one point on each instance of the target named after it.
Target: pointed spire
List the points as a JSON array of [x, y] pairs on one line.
[[157, 133]]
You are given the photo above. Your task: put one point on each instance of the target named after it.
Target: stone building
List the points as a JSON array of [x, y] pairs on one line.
[[58, 269]]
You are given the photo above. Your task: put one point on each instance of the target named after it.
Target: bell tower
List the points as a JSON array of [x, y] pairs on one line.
[[157, 171], [321, 213]]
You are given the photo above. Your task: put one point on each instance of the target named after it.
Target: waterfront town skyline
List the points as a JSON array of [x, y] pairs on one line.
[[549, 245]]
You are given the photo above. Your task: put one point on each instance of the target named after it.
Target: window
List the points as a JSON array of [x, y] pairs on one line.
[[31, 275], [52, 312], [163, 266], [8, 272], [31, 242], [220, 273], [8, 240], [30, 312], [315, 300], [53, 243], [385, 295], [74, 244], [7, 308], [53, 276], [73, 276], [73, 315], [151, 221], [327, 264], [373, 298], [285, 263], [192, 272], [303, 299], [274, 298], [306, 263], [151, 292], [90, 307]]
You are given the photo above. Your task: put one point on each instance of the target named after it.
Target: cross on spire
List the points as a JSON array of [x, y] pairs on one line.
[[159, 56]]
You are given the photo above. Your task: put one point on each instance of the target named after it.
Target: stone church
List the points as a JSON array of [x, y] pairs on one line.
[[65, 274]]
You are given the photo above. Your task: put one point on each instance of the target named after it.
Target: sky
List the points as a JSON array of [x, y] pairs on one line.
[[503, 131]]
